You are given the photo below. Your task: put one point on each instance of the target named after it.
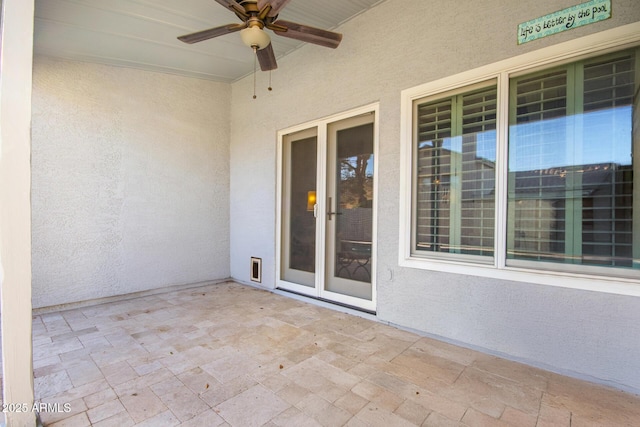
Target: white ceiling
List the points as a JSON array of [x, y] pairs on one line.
[[142, 33]]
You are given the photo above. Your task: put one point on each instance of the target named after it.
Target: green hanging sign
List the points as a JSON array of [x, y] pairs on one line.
[[565, 19]]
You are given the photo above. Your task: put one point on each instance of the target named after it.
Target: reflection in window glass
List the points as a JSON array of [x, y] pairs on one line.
[[570, 188], [455, 148]]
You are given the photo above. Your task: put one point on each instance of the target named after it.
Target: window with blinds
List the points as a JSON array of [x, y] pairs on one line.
[[455, 152], [570, 165], [546, 181]]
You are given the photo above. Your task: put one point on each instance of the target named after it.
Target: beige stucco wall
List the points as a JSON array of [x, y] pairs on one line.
[[130, 181], [395, 46]]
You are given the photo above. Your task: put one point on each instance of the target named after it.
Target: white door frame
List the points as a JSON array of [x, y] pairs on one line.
[[321, 196]]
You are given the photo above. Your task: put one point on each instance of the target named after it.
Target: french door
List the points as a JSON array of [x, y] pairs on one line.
[[327, 187]]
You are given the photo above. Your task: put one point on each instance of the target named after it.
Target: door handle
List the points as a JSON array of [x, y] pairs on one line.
[[329, 213]]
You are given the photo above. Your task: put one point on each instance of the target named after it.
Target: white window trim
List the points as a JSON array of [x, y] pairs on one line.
[[617, 38]]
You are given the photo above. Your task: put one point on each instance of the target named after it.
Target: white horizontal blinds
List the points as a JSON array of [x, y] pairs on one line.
[[607, 185], [432, 213], [455, 182], [537, 166], [479, 111], [570, 169]]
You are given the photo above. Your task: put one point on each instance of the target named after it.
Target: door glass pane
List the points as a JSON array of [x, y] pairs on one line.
[[303, 225], [354, 201], [298, 205]]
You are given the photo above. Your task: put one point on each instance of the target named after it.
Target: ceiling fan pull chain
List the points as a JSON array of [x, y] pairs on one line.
[[270, 88], [255, 56]]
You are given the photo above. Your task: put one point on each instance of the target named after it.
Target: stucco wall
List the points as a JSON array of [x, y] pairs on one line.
[[395, 46], [130, 181]]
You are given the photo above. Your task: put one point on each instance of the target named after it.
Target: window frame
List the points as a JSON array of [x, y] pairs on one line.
[[623, 37], [459, 92]]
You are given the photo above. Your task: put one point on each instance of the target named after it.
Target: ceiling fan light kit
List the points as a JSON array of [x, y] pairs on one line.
[[255, 37]]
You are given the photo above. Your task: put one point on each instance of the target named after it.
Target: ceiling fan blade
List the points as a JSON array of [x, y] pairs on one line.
[[226, 3], [267, 58], [235, 7], [211, 33], [276, 6], [306, 33]]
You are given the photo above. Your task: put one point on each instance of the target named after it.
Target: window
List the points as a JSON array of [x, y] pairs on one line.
[[570, 164], [455, 181], [517, 171]]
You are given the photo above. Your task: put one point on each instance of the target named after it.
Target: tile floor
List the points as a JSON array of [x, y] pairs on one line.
[[229, 354]]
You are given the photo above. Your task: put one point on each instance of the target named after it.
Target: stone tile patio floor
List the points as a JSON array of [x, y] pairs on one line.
[[232, 355]]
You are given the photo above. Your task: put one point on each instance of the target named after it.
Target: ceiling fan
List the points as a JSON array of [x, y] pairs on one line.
[[257, 15]]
